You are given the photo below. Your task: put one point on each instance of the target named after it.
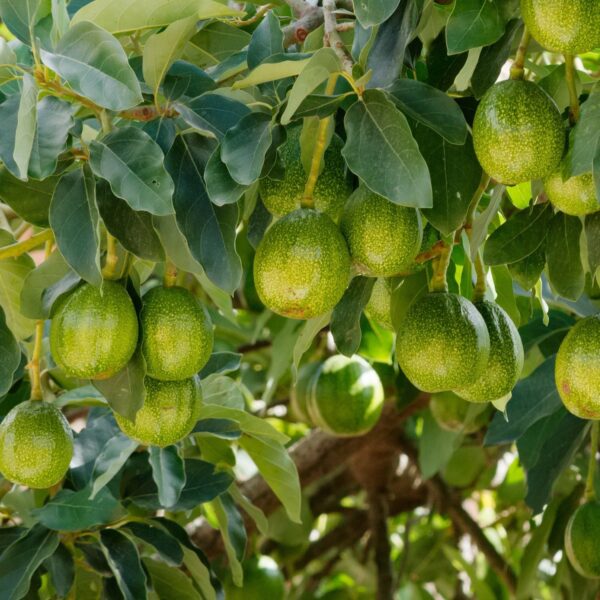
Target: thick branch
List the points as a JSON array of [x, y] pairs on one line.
[[332, 37], [378, 515]]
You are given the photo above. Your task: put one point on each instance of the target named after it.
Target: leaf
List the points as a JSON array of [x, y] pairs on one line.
[[519, 237], [374, 12], [220, 186], [563, 255], [527, 271], [585, 136], [345, 319], [61, 568], [22, 558], [76, 511], [117, 16], [592, 236], [271, 71], [281, 354], [95, 65], [75, 221], [255, 513], [234, 534], [221, 363], [308, 332], [221, 428], [436, 446], [123, 558], [381, 150], [185, 79], [200, 574], [170, 583], [166, 545], [168, 473], [222, 391], [203, 484], [9, 111], [482, 220], [133, 165], [7, 58], [10, 355], [267, 40], [473, 23], [26, 125], [110, 460], [404, 295], [21, 16], [215, 42], [442, 69]]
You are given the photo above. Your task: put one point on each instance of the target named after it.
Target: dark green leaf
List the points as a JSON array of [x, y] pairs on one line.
[[221, 363], [110, 460], [168, 473], [58, 289], [585, 136], [537, 331], [221, 187], [592, 235], [226, 429], [10, 355], [170, 583], [473, 23], [527, 271], [26, 126], [203, 483], [234, 534], [8, 535], [381, 150], [441, 68], [374, 12], [21, 17], [185, 79], [317, 105], [62, 570], [266, 40], [9, 111], [166, 545], [133, 165]]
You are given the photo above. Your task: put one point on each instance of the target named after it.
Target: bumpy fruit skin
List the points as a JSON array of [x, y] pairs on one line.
[[581, 540], [578, 369], [452, 413], [576, 196], [505, 362], [380, 303], [331, 191], [383, 238], [566, 26], [346, 396], [302, 265], [262, 581], [518, 132], [36, 445], [169, 413], [442, 343], [299, 392], [177, 333], [94, 332]]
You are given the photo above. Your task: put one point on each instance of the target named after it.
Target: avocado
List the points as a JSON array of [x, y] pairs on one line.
[[565, 26], [177, 333], [262, 581], [518, 132], [581, 540], [383, 237], [452, 413], [94, 331], [577, 370], [576, 196], [442, 343], [169, 413], [331, 190], [379, 306], [299, 392], [505, 362], [36, 445], [302, 265]]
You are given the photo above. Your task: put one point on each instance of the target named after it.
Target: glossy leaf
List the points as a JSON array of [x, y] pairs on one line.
[[26, 125], [223, 391], [267, 40], [221, 363], [9, 111], [585, 136], [170, 583], [215, 42], [272, 71], [443, 69], [10, 355], [166, 545], [527, 271], [61, 568], [374, 12], [234, 534], [473, 23], [21, 16], [110, 460], [168, 473], [592, 236], [221, 187]]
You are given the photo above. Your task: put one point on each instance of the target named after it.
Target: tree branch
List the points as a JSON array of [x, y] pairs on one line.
[[332, 37]]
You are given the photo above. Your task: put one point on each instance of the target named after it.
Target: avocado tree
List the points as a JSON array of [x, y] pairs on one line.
[[299, 299]]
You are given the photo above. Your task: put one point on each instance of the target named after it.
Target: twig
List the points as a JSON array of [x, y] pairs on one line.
[[439, 282], [261, 12], [517, 71], [572, 85], [19, 248], [112, 257], [348, 26], [298, 30], [332, 37]]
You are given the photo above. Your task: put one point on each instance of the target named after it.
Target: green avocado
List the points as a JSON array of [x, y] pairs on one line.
[[177, 333], [345, 396], [94, 332], [576, 196], [581, 540], [383, 238], [302, 265], [380, 304], [505, 362], [442, 343], [565, 26], [169, 413], [578, 369], [299, 392], [452, 413], [518, 132], [331, 190], [262, 581], [36, 445]]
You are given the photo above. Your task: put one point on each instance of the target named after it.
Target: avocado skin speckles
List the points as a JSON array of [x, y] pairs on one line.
[[169, 413], [94, 332], [302, 265], [442, 343], [576, 196], [518, 132], [578, 369], [383, 238], [177, 333], [505, 361], [565, 26], [36, 445], [379, 306]]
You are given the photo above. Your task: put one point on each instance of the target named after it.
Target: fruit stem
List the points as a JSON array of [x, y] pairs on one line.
[[572, 85], [112, 258], [19, 248], [517, 70], [590, 492], [439, 282], [170, 278], [480, 283]]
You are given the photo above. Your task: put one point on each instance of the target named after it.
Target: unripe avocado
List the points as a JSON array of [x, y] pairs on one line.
[[169, 413], [518, 132], [581, 540], [346, 396], [36, 445], [505, 362], [302, 265], [94, 332], [578, 369], [300, 391], [576, 196], [442, 343], [262, 581], [331, 190], [565, 26], [380, 304], [177, 333], [452, 413], [383, 238]]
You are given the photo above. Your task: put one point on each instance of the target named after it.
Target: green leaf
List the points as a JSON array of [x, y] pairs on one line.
[[110, 460], [22, 558], [168, 473], [308, 332], [10, 355], [220, 186], [409, 290], [345, 319], [436, 446], [75, 511], [563, 255], [29, 199], [482, 221], [132, 163], [7, 58], [26, 125], [442, 69], [75, 221], [505, 295], [585, 136], [124, 561], [234, 534], [95, 65], [9, 111], [117, 16], [166, 545], [255, 513], [592, 236], [283, 344], [200, 574], [223, 391], [527, 271], [381, 150], [203, 484], [170, 583], [215, 42], [473, 23], [61, 568], [272, 71], [219, 428], [267, 40], [374, 12], [21, 16], [519, 237]]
